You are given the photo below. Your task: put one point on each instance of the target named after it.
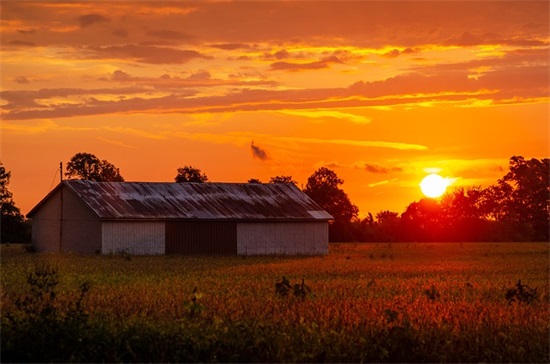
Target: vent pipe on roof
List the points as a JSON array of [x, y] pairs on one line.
[[60, 171]]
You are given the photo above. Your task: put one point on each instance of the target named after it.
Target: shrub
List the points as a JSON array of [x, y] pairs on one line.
[[521, 293], [283, 288], [41, 329]]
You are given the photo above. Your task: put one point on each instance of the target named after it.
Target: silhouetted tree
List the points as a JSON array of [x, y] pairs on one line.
[[463, 214], [323, 187], [387, 226], [423, 221], [13, 226], [254, 180], [283, 179], [88, 167], [190, 174], [495, 201], [528, 181]]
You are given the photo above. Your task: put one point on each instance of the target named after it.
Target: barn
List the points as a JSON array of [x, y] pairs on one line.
[[179, 218]]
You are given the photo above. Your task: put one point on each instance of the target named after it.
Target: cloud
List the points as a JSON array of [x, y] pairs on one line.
[[142, 53], [294, 67], [231, 46], [136, 132], [90, 19], [258, 152], [21, 79], [359, 143], [169, 34], [120, 32], [26, 31], [396, 52], [199, 78], [381, 183], [392, 54], [22, 99], [99, 107], [518, 77], [318, 114], [22, 43], [116, 142], [278, 140], [376, 168], [40, 127]]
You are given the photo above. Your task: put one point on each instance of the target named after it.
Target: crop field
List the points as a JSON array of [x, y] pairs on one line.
[[417, 302]]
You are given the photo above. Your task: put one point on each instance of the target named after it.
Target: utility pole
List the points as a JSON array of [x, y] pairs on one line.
[[61, 208]]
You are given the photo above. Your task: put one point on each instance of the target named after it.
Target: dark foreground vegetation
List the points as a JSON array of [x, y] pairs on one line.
[[437, 302]]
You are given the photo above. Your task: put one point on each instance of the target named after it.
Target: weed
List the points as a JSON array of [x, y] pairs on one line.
[[521, 293], [283, 288], [124, 253], [41, 320], [302, 290], [193, 307], [432, 293], [391, 315]]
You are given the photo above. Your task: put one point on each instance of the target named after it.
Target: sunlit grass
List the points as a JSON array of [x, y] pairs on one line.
[[368, 302]]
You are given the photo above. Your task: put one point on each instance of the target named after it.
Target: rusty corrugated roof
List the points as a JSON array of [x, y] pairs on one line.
[[205, 201]]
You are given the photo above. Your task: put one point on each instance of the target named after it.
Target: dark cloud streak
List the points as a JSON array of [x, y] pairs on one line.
[[91, 19], [142, 53], [258, 152], [378, 169]]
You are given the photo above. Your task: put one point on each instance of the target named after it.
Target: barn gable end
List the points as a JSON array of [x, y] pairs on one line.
[[63, 223]]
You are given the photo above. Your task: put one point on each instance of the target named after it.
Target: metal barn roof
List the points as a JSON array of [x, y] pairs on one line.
[[203, 201]]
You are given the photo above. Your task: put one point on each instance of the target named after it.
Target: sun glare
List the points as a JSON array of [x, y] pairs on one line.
[[433, 185]]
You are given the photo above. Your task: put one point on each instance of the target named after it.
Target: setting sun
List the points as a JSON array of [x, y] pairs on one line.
[[433, 185]]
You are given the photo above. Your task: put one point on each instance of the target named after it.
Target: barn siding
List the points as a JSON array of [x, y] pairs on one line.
[[201, 237], [45, 225], [81, 228], [255, 238], [133, 237]]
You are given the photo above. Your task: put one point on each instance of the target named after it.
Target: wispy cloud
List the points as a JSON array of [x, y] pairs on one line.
[[40, 127], [381, 183], [358, 143], [379, 169], [116, 142], [238, 137], [136, 132], [319, 114]]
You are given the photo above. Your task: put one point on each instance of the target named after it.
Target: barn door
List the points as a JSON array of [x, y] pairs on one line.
[[201, 237]]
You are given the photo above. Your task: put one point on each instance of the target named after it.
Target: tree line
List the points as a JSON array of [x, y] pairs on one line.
[[516, 208]]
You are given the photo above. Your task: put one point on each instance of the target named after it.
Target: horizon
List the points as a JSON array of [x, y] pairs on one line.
[[383, 93]]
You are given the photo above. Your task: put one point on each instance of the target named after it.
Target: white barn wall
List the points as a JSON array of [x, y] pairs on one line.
[[133, 237], [282, 238]]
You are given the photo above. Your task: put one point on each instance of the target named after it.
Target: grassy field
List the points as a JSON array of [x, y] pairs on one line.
[[423, 302]]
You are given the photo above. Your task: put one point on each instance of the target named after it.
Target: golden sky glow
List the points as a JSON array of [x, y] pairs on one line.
[[379, 91]]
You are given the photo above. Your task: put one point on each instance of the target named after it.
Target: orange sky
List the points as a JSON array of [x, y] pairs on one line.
[[380, 92]]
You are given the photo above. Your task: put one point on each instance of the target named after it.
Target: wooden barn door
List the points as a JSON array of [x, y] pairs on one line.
[[201, 237]]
